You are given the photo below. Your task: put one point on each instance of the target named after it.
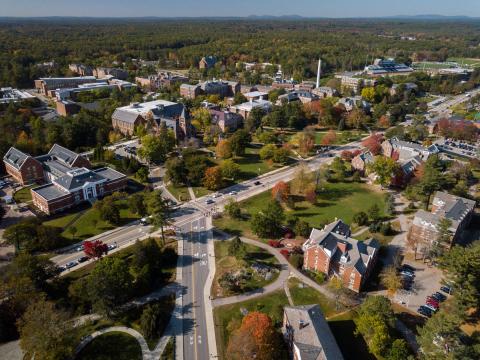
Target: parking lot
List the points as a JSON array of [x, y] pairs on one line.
[[426, 282], [458, 148]]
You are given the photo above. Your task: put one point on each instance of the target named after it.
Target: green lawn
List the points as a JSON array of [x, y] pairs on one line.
[[307, 296], [180, 193], [89, 224], [23, 195], [228, 317], [338, 200], [114, 345], [466, 61], [226, 263], [343, 137]]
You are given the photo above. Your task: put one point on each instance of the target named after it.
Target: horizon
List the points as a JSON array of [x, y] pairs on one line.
[[342, 9]]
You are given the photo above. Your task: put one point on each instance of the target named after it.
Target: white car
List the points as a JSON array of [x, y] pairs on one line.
[[112, 246], [71, 264], [79, 248], [232, 193]]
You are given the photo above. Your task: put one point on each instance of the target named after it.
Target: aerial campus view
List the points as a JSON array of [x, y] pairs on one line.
[[217, 180]]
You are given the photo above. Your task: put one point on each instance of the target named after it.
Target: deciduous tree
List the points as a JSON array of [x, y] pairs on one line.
[[94, 249], [213, 178]]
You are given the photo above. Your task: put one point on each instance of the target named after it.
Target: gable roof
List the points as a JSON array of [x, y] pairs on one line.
[[311, 333], [64, 154], [15, 157], [125, 116], [77, 178], [209, 60]]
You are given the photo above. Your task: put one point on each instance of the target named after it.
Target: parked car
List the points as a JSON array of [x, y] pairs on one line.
[[144, 221], [446, 289], [216, 195], [432, 302], [408, 268], [424, 311], [209, 201], [407, 273], [431, 307], [71, 264], [439, 296], [79, 248], [232, 193], [257, 183], [112, 246], [60, 269], [82, 259]]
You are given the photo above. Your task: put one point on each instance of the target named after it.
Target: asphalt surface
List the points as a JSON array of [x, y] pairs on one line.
[[194, 276]]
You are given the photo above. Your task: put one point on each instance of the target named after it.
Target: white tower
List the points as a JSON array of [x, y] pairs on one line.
[[319, 72]]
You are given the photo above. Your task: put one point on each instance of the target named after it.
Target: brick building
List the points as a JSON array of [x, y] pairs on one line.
[[207, 62], [361, 161], [48, 86], [333, 252], [151, 114], [161, 80], [66, 176], [216, 87], [308, 335], [424, 229], [226, 120]]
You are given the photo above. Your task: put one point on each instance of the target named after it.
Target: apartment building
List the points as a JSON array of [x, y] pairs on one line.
[[333, 252]]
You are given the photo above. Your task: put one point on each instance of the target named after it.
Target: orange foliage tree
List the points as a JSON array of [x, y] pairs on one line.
[[224, 149], [256, 338], [281, 191], [373, 143], [329, 138], [213, 178]]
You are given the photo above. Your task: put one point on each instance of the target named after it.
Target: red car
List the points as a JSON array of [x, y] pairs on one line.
[[432, 303], [432, 300]]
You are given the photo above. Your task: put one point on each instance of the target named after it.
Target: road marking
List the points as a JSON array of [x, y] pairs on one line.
[[199, 339], [191, 340]]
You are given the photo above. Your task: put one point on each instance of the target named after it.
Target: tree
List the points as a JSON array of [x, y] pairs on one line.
[[384, 122], [176, 171], [329, 138], [336, 286], [237, 248], [398, 350], [374, 331], [232, 208], [150, 321], [281, 155], [381, 306], [109, 284], [374, 212], [303, 180], [373, 143], [160, 211], [389, 205], [360, 218], [368, 93], [281, 191], [356, 118], [444, 237], [224, 149], [339, 169], [202, 117], [304, 141], [256, 338], [31, 235], [94, 249], [254, 119], [45, 332], [267, 223], [136, 204], [267, 151], [385, 168], [213, 178], [108, 209], [239, 142], [230, 169], [391, 280], [152, 149], [302, 228]]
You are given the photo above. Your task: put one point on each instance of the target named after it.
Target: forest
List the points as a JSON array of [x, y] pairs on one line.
[[295, 45]]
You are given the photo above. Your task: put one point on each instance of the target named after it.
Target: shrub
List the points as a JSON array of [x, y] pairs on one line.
[[285, 253], [360, 218], [296, 260], [275, 243]]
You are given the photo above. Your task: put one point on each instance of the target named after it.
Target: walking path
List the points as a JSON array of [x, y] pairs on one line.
[[192, 193], [287, 292]]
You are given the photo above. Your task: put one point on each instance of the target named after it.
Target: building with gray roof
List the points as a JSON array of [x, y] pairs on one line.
[[308, 335], [458, 210], [332, 251]]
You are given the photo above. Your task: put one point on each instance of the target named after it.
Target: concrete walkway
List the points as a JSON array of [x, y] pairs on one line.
[[191, 193], [287, 292], [146, 353]]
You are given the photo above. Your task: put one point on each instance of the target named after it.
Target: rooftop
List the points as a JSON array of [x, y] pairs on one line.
[[15, 157]]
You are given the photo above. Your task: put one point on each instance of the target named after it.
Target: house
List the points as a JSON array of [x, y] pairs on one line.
[[188, 91], [66, 177], [325, 92], [303, 96], [256, 95], [151, 114], [385, 67], [246, 108], [333, 252], [349, 103], [458, 210], [361, 161], [207, 62], [406, 149], [405, 87], [227, 121], [308, 335]]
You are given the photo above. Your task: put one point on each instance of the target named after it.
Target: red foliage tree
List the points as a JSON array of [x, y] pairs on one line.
[[281, 191], [94, 249], [275, 243], [347, 155], [329, 138], [384, 121], [373, 143], [285, 253]]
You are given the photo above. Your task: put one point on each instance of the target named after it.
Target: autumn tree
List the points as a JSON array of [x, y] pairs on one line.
[[230, 169], [224, 149], [391, 280], [368, 93], [281, 191], [385, 168], [356, 118], [267, 151], [256, 338], [213, 178], [304, 141], [329, 138], [384, 121], [303, 180], [94, 249], [373, 143]]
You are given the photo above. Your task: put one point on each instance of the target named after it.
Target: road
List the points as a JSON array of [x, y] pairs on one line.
[[194, 276], [445, 106]]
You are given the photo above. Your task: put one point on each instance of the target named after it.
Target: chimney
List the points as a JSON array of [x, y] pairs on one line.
[[319, 71], [342, 246]]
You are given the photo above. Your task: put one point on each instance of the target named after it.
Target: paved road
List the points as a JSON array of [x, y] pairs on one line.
[[444, 107], [194, 276]]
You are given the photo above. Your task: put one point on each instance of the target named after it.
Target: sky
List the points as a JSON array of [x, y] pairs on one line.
[[199, 8]]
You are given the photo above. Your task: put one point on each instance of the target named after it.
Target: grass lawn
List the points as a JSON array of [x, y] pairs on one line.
[[228, 317], [226, 263], [23, 195], [338, 200], [352, 347], [466, 61], [180, 193], [89, 223], [114, 345], [200, 191], [305, 295], [168, 353], [343, 137]]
